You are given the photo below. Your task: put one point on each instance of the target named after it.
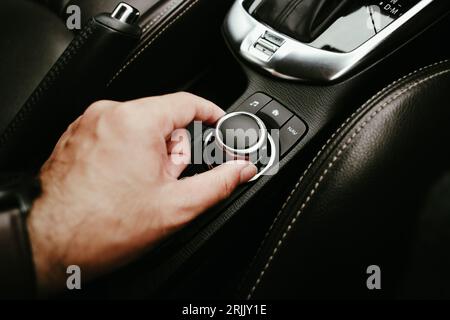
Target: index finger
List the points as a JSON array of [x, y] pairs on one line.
[[178, 110]]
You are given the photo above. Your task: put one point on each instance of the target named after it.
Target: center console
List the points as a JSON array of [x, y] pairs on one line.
[[319, 42], [293, 71], [309, 41]]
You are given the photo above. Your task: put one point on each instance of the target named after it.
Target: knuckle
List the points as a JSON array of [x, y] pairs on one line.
[[190, 98], [228, 185], [123, 115], [179, 136], [95, 112], [98, 107], [104, 116], [185, 95], [183, 206]]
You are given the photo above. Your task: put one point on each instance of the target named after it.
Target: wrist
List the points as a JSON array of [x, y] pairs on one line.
[[49, 272], [17, 273]]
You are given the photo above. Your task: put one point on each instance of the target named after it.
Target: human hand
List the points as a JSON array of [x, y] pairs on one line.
[[111, 190]]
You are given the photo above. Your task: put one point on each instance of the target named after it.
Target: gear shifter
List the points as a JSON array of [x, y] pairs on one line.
[[303, 20], [322, 40]]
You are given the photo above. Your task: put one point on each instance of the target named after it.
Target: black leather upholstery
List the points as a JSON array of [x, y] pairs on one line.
[[32, 39], [56, 5], [179, 38], [357, 204], [77, 79], [91, 8], [171, 30]]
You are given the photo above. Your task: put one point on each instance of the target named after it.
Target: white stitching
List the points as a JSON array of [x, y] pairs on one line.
[[335, 158], [330, 165], [294, 189], [124, 67], [161, 14], [339, 129]]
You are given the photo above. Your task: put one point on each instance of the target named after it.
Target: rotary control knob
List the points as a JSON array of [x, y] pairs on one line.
[[241, 136]]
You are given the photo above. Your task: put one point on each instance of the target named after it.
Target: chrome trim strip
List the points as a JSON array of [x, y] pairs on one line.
[[125, 13], [273, 157], [295, 60]]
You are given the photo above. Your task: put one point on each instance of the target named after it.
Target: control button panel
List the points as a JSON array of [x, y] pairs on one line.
[[275, 113], [255, 103], [276, 116], [291, 133], [267, 53], [268, 44], [273, 38]]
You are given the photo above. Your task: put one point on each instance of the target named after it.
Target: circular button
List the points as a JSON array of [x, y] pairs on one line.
[[241, 133], [241, 136]]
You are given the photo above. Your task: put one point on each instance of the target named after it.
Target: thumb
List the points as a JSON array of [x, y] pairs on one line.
[[202, 191]]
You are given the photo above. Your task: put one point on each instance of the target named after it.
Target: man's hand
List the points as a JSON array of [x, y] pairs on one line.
[[111, 191]]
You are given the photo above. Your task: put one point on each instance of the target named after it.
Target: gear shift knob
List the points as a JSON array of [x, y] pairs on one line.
[[305, 21]]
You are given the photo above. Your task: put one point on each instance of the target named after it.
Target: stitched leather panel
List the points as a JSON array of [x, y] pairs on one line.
[[355, 205], [91, 8], [30, 136], [26, 52], [177, 42]]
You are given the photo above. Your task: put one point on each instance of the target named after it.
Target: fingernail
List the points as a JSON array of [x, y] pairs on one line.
[[248, 172]]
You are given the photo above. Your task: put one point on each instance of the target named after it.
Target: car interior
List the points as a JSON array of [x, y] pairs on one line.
[[354, 99]]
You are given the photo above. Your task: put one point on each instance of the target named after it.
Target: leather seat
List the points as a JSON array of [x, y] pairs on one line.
[[363, 202]]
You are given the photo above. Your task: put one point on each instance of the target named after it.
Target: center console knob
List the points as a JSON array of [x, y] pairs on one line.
[[242, 136]]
